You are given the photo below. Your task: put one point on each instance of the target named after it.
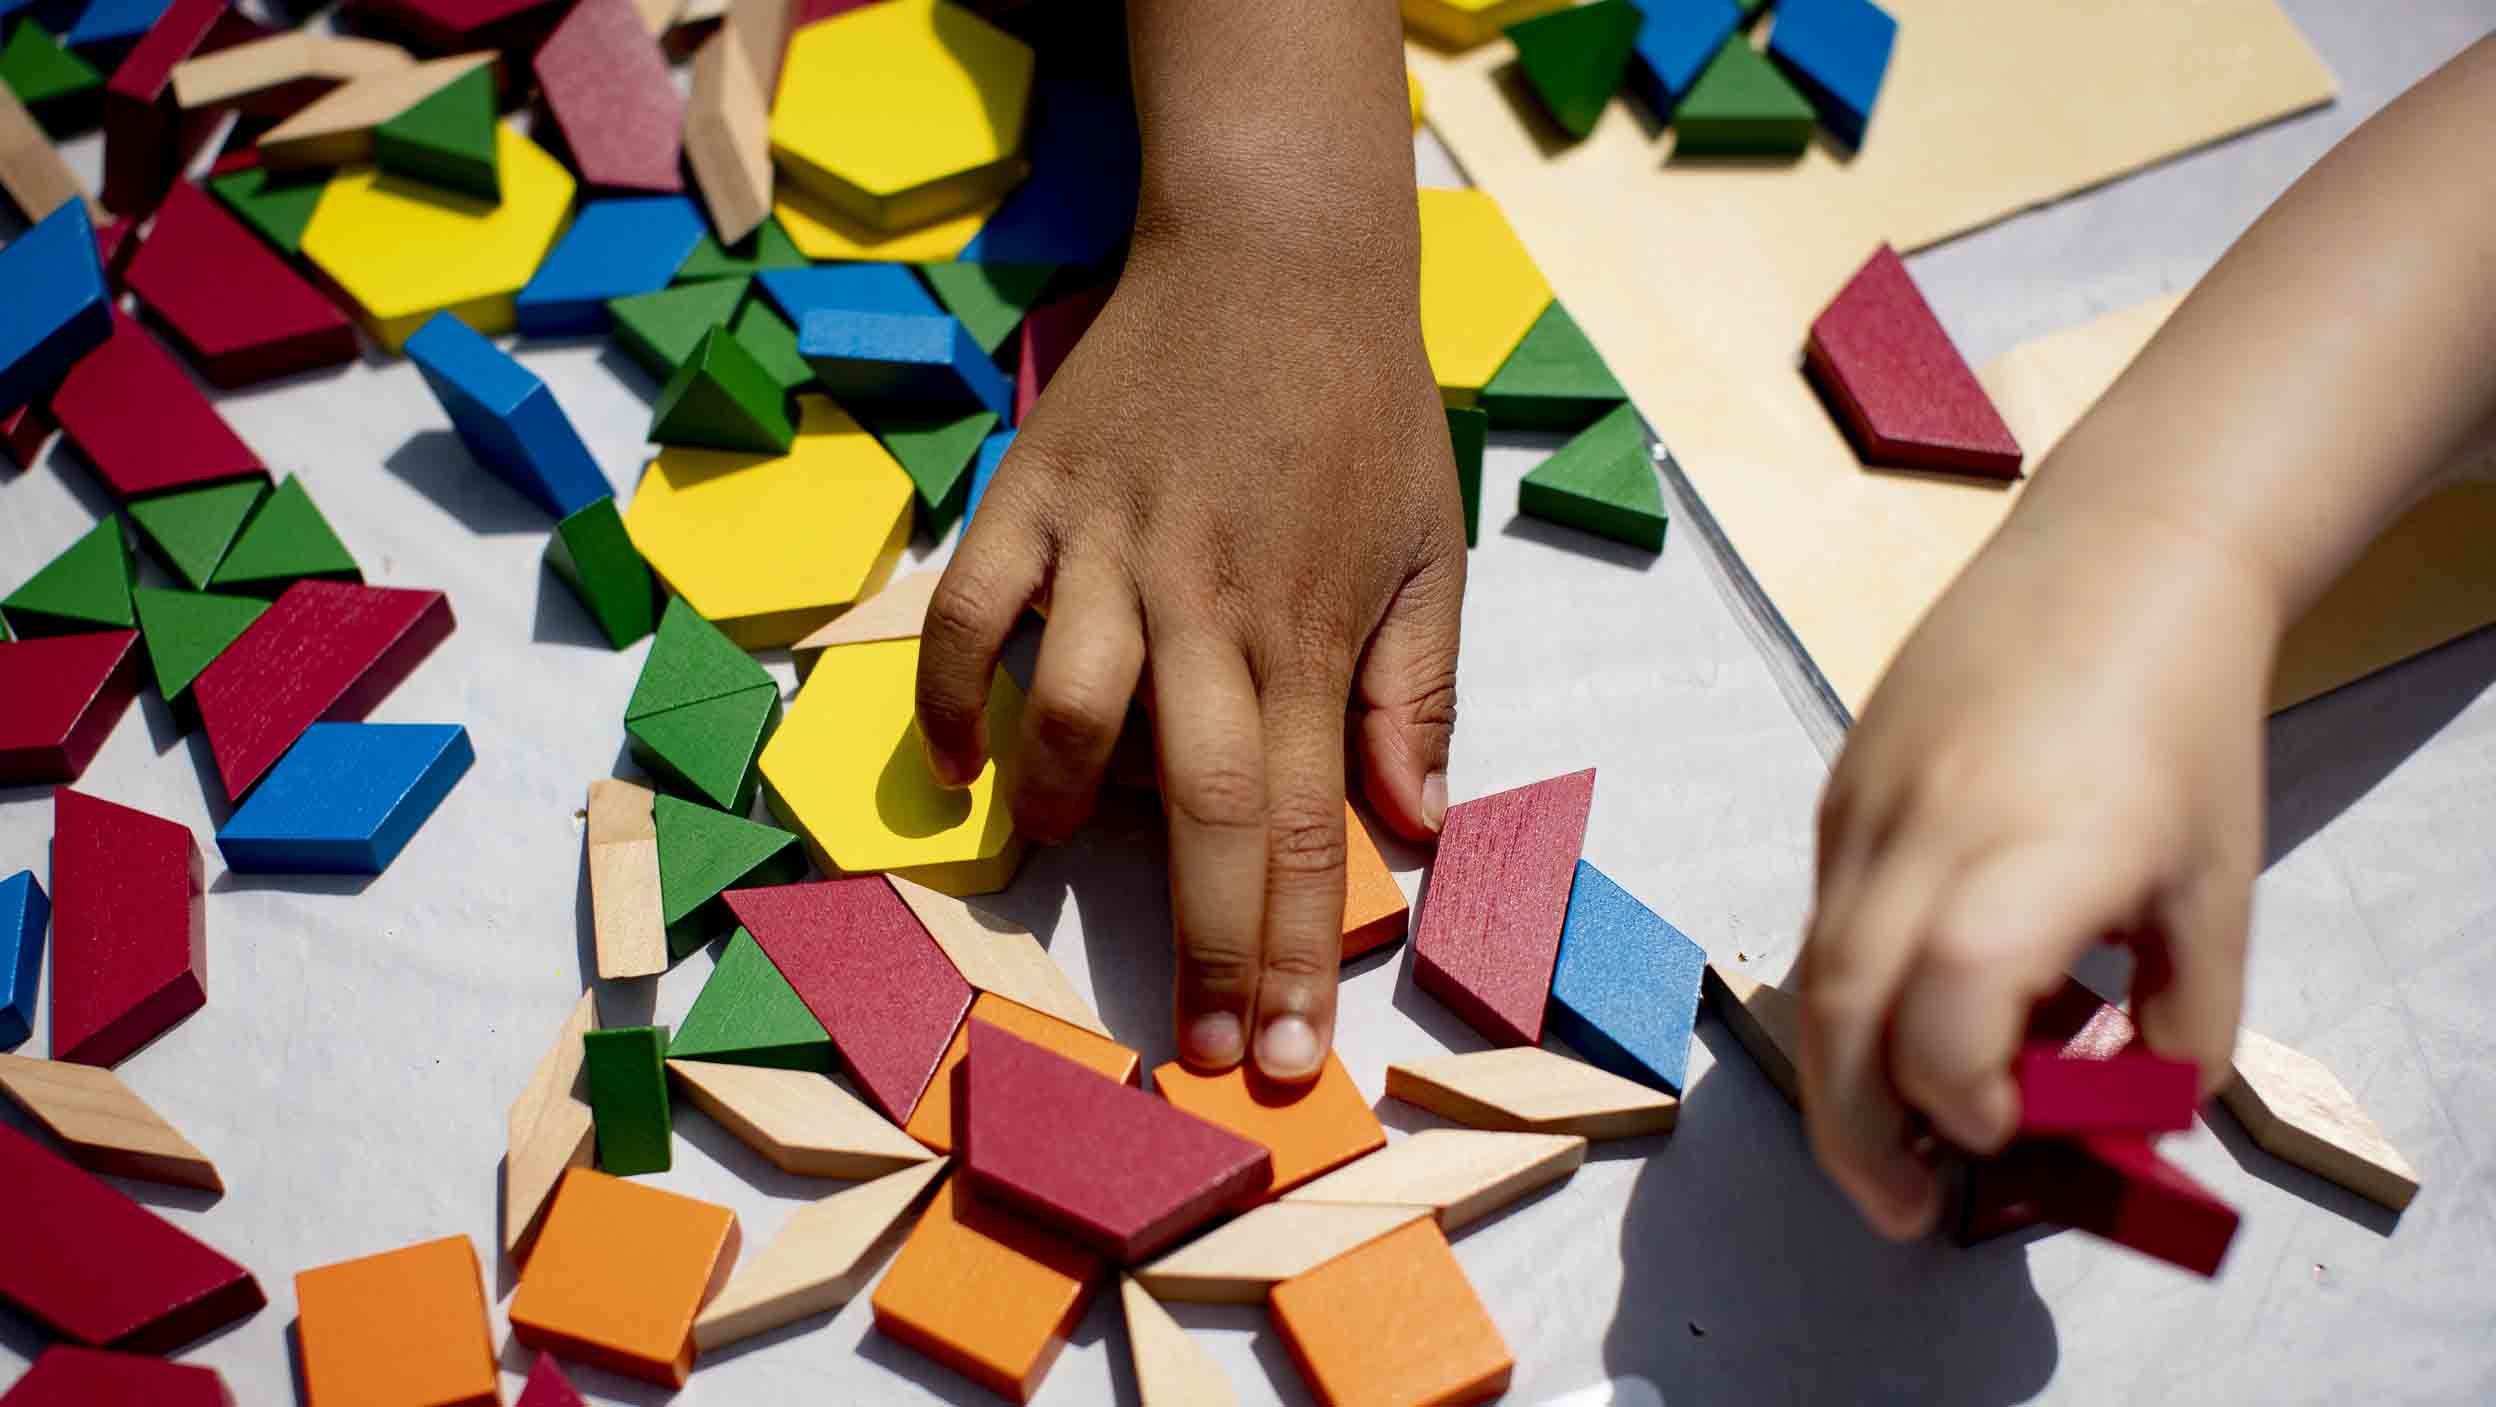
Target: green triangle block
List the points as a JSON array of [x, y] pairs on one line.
[[595, 557], [703, 853], [1468, 427], [1741, 106], [185, 630], [991, 299], [721, 398], [748, 1014], [448, 139], [87, 587], [689, 662], [659, 330], [1603, 481], [706, 751], [774, 344], [192, 529], [769, 247], [40, 71], [1554, 380], [1574, 59], [936, 452], [275, 207], [286, 540]]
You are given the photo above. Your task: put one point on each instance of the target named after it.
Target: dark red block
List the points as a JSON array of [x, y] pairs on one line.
[[548, 1387], [886, 994], [69, 1376], [129, 928], [606, 81], [809, 11], [1048, 333], [2128, 1091], [23, 432], [2110, 1185], [137, 417], [59, 699], [1499, 891], [147, 139], [1125, 1172], [1898, 385], [459, 26], [241, 312], [114, 244]]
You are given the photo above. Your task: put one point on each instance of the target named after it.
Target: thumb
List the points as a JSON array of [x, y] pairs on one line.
[[2188, 976], [1407, 687]]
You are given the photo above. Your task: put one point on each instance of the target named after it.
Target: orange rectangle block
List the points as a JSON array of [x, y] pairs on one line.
[[404, 1328], [985, 1292], [1375, 911], [932, 1122], [619, 1272], [1308, 1129], [1393, 1322]]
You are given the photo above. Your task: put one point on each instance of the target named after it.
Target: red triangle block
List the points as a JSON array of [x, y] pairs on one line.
[[1898, 385], [243, 315], [548, 1387], [69, 1376], [141, 421], [1048, 333], [1122, 1171], [59, 698], [129, 928]]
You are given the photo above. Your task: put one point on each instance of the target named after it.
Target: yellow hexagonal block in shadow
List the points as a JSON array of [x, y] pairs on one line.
[[404, 250], [904, 113], [848, 773], [767, 547], [1461, 24], [822, 233], [1480, 290]]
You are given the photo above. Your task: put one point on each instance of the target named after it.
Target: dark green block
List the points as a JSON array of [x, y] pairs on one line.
[[990, 299], [286, 540], [191, 529], [774, 344], [768, 247], [1467, 429], [276, 207], [1741, 106], [85, 588], [721, 398], [707, 751], [704, 853], [1574, 59], [57, 86], [448, 139], [689, 661], [660, 330], [596, 558], [627, 1069], [186, 630], [748, 1014], [1554, 380], [1603, 482], [936, 452]]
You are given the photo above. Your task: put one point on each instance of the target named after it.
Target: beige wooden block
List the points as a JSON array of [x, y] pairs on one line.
[[103, 1124], [701, 11], [31, 169], [2299, 1112], [728, 138], [549, 1129], [1527, 1089], [1767, 1019], [1237, 1262], [822, 1257], [761, 31], [1463, 1175], [659, 16], [337, 129], [624, 896], [994, 955], [260, 65], [1171, 1369], [897, 612], [802, 1121]]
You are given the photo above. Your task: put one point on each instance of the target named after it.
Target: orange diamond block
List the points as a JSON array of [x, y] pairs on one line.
[[1393, 1321], [984, 1292], [619, 1271], [1309, 1129], [404, 1328], [932, 1122], [1375, 911]]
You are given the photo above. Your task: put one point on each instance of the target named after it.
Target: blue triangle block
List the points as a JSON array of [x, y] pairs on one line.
[[860, 288], [508, 418], [114, 21], [25, 913], [991, 454], [345, 798], [1078, 204], [1837, 52], [617, 248], [1674, 43], [888, 359], [55, 309], [1625, 992]]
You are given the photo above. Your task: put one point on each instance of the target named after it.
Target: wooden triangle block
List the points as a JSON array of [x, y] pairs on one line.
[[661, 329], [1171, 1370], [103, 1125], [129, 929], [747, 1014], [1603, 482], [56, 85], [707, 751], [721, 398], [276, 208], [191, 530], [180, 441], [1574, 59], [608, 86], [86, 588], [1767, 1020], [448, 138], [59, 700], [990, 299], [689, 662], [623, 841], [821, 1259], [69, 1376], [1499, 892], [548, 1387], [798, 1119], [1238, 1261], [1898, 385], [703, 853], [1462, 1175], [898, 612], [549, 1128], [1555, 379], [285, 540], [2300, 1113], [936, 449], [1527, 1089], [1741, 106], [997, 956], [768, 247], [337, 130]]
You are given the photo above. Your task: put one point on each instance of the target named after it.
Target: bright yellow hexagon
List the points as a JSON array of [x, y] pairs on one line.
[[405, 250], [847, 772], [903, 113], [1480, 290], [768, 548], [822, 233], [1461, 24]]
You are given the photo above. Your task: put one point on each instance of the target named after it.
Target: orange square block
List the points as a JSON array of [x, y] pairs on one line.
[[932, 1122], [1375, 911], [1309, 1129], [619, 1272], [404, 1328], [985, 1292], [1393, 1322]]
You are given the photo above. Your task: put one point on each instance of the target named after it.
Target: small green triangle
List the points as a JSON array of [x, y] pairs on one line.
[[769, 247], [448, 138], [703, 853], [285, 541], [595, 556], [1741, 106], [87, 587], [1574, 58], [1468, 427], [936, 452], [191, 529], [276, 207], [706, 751], [40, 71], [1554, 380], [774, 344], [748, 1014], [185, 630], [1603, 481], [721, 398], [661, 329], [689, 661], [991, 299]]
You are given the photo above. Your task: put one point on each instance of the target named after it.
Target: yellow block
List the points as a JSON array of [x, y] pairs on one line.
[[1480, 290], [404, 250], [848, 772], [768, 548], [1461, 24], [903, 113], [1412, 95], [823, 233]]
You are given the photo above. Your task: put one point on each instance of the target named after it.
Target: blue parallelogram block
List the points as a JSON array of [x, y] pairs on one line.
[[1078, 204], [1675, 40], [345, 798], [858, 288], [25, 915], [1837, 52], [1625, 992], [114, 22], [907, 359], [617, 248], [53, 306], [507, 417]]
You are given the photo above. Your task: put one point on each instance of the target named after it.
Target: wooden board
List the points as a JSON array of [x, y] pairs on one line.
[[800, 1120], [2299, 1112], [624, 880], [1237, 1262], [1462, 1175], [549, 1129], [1527, 1089], [997, 955], [103, 1124], [1171, 1370], [820, 1260]]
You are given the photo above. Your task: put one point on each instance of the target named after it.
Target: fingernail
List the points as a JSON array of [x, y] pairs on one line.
[[1434, 800], [1213, 1040], [1287, 1048], [939, 766]]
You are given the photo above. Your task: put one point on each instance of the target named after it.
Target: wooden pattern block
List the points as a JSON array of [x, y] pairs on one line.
[[1741, 106], [94, 1267], [624, 887], [1468, 431], [767, 248], [285, 540], [1625, 991], [997, 955], [619, 1273], [129, 928], [936, 1122], [58, 309], [628, 1098], [1049, 336], [607, 83], [1239, 1261], [185, 631], [32, 174], [179, 442], [327, 651], [1900, 388], [898, 612], [274, 76], [60, 90], [448, 138], [1527, 1089], [507, 417], [1308, 1129], [1171, 1370], [548, 1387], [1499, 894], [1837, 52], [985, 1292], [1674, 43], [548, 1129], [402, 1326], [2114, 1186], [984, 470], [191, 530], [592, 553], [1462, 24], [1480, 290], [2299, 1112], [346, 798], [774, 343], [85, 589], [276, 207], [59, 700], [722, 398], [937, 450], [25, 917], [103, 1124], [1375, 911], [747, 1014], [1603, 482], [856, 288], [1767, 1019], [452, 26], [337, 129], [1460, 1175], [1393, 1321], [821, 1259], [690, 662], [1554, 380], [660, 329], [702, 854], [2130, 1091], [111, 24], [1574, 59], [913, 360], [146, 139], [69, 1376], [614, 248], [728, 137], [26, 430], [990, 299], [707, 751], [800, 1120]]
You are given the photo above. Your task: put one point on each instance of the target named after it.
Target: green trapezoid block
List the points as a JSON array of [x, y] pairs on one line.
[[1554, 380], [192, 529], [186, 630], [1574, 59], [702, 854], [286, 540], [706, 751], [448, 139], [748, 1014], [721, 398], [86, 588], [1603, 482]]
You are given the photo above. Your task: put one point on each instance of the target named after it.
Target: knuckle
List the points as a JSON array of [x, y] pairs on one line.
[[1071, 721], [1216, 964], [1219, 796], [1306, 842], [1298, 963], [957, 612]]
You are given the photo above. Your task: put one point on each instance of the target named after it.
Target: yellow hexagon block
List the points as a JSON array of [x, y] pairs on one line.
[[848, 773], [404, 250], [903, 113], [822, 233], [1480, 290], [1461, 24], [769, 548]]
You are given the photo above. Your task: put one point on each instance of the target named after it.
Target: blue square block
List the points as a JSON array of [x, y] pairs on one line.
[[345, 798], [1078, 204], [857, 288], [617, 248], [114, 22], [507, 417], [1625, 992], [991, 454], [883, 359], [25, 915], [1675, 41], [54, 309], [1837, 52]]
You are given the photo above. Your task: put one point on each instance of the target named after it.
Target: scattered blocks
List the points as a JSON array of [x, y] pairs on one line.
[[820, 1260], [614, 249], [619, 1273], [1460, 1175], [285, 540], [69, 1376], [275, 75], [898, 612], [1900, 389], [1393, 1321], [609, 89], [628, 1098], [990, 300], [1674, 43], [346, 798], [507, 417], [1768, 1020], [747, 1014], [1170, 1368], [997, 956], [1241, 1260], [191, 530], [659, 330], [624, 886], [181, 440], [59, 699], [58, 309], [882, 359], [103, 1125], [1375, 911], [85, 589], [2128, 1091], [337, 129], [1741, 106], [447, 138], [1602, 482], [1468, 431], [707, 751], [146, 140], [1527, 1089], [1480, 290], [403, 1326], [800, 1120], [2295, 1108], [1309, 1129], [702, 854], [1499, 894], [1032, 1286], [25, 916], [936, 1121], [722, 398], [129, 931], [1838, 52], [593, 554], [728, 136], [1461, 24], [1078, 204], [766, 249], [1574, 58], [1555, 379], [548, 1129], [1625, 991], [936, 450]]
